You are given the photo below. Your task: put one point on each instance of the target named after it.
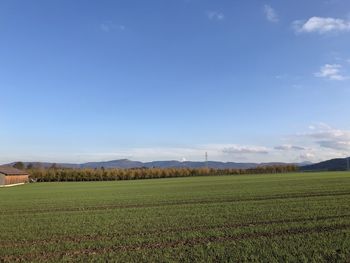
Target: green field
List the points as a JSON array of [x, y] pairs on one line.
[[252, 218]]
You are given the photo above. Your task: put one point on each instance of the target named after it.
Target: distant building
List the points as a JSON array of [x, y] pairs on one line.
[[12, 176]]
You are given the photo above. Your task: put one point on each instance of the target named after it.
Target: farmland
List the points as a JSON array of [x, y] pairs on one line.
[[273, 217]]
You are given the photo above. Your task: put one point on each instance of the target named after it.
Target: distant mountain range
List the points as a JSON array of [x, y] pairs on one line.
[[125, 163], [339, 164]]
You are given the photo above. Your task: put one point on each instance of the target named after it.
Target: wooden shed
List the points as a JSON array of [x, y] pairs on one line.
[[12, 176]]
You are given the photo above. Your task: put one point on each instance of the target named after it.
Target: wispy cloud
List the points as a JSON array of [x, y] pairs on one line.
[[321, 25], [238, 149], [327, 137], [109, 26], [215, 15], [288, 147], [271, 14], [307, 156], [223, 152], [331, 71], [318, 142]]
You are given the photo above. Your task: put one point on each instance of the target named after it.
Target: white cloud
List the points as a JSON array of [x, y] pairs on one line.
[[335, 144], [105, 27], [215, 15], [109, 26], [321, 25], [238, 149], [270, 14], [328, 137], [307, 156], [217, 152], [288, 147], [331, 71], [319, 142]]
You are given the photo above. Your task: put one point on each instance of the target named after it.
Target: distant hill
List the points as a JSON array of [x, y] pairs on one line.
[[305, 163], [339, 164], [210, 164], [47, 165], [126, 164], [123, 163]]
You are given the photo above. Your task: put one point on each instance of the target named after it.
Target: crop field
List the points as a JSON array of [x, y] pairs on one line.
[[247, 218]]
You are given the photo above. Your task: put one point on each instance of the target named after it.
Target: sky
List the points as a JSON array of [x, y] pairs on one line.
[[245, 81]]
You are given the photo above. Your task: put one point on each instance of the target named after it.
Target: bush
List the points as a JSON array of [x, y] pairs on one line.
[[55, 174]]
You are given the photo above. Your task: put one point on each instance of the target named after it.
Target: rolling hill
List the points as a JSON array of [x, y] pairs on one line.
[[127, 164], [339, 164]]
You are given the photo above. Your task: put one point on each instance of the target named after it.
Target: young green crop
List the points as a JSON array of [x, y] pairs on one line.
[[289, 218]]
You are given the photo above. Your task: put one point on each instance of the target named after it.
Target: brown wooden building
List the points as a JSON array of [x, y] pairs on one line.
[[10, 175]]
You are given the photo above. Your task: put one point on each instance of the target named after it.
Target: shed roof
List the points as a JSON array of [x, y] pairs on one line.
[[8, 170]]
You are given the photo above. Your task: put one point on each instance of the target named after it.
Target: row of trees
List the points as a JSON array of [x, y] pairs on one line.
[[55, 174]]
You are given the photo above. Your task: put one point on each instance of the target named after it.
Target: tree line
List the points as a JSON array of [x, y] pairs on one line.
[[57, 174]]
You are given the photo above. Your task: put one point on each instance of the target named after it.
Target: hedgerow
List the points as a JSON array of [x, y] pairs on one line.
[[56, 174]]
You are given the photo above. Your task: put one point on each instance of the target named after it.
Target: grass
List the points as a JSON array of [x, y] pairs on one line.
[[252, 218]]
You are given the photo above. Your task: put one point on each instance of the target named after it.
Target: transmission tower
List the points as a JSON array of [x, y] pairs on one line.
[[206, 159]]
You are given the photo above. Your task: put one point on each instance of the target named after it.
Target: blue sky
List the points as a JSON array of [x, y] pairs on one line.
[[157, 80]]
